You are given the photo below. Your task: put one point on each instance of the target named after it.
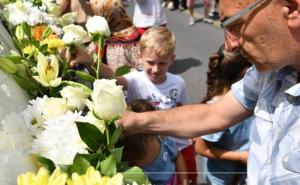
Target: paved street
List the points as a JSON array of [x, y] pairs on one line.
[[194, 46]]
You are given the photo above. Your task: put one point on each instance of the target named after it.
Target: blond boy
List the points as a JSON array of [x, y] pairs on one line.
[[155, 84]]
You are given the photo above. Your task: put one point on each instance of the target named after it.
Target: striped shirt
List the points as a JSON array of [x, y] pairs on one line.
[[274, 154]]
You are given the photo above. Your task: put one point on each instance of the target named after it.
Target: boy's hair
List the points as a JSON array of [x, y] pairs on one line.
[[159, 39], [135, 145], [224, 69]]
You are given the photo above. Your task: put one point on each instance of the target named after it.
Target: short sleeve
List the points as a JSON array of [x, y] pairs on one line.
[[171, 147], [247, 90], [183, 96], [215, 137]]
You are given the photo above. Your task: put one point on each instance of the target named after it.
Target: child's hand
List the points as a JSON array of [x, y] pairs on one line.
[[81, 57]]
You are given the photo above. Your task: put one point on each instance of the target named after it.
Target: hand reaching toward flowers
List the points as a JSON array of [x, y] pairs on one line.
[[81, 56]]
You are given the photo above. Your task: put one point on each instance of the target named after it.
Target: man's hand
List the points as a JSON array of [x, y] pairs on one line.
[[130, 123]]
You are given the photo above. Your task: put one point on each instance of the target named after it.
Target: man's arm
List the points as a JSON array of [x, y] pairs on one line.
[[206, 149], [189, 120]]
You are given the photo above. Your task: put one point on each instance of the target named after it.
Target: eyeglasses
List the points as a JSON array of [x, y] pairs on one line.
[[238, 15]]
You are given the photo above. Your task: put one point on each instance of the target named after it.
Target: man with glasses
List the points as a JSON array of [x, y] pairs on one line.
[[267, 32]]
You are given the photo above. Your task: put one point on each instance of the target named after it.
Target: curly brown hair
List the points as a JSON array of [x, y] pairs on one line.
[[135, 145], [224, 69]]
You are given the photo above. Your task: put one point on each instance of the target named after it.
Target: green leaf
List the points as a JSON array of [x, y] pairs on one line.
[[85, 76], [76, 84], [65, 168], [92, 158], [47, 163], [122, 166], [44, 48], [116, 134], [122, 70], [117, 154], [35, 43], [15, 58], [25, 83], [26, 29], [108, 167], [135, 174], [8, 66], [80, 165], [91, 135], [18, 43], [46, 33]]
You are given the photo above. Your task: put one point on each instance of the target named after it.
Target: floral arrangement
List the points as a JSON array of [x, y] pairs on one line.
[[67, 129]]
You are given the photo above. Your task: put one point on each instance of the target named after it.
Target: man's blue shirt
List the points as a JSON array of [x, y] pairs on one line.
[[274, 155]]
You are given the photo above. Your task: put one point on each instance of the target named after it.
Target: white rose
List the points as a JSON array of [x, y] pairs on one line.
[[74, 34], [108, 99], [98, 24], [54, 107], [75, 97]]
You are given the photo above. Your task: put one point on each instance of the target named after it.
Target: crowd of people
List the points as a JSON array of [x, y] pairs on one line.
[[246, 127]]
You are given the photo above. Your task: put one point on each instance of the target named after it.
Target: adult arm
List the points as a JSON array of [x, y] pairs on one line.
[[189, 120], [207, 149]]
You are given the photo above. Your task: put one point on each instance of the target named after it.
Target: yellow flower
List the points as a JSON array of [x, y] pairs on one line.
[[43, 178], [93, 177], [48, 71], [30, 50], [53, 43]]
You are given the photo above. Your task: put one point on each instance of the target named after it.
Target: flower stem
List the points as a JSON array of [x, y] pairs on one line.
[[99, 61], [50, 91], [107, 134]]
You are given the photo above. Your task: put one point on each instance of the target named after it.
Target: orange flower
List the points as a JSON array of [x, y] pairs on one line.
[[37, 32]]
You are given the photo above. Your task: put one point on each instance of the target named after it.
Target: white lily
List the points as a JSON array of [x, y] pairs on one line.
[[48, 71]]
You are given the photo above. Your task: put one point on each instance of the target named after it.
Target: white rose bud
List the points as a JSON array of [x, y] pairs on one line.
[[68, 18], [74, 34], [97, 24], [53, 9], [75, 97], [108, 99]]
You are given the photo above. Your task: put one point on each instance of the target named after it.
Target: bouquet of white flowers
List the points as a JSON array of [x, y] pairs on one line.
[[67, 127]]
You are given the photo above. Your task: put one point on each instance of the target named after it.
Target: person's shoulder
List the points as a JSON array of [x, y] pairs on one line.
[[176, 77], [134, 74]]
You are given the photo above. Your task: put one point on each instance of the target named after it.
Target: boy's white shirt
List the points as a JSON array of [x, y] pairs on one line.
[[163, 96]]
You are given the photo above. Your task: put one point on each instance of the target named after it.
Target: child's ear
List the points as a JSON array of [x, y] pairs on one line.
[[173, 59]]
